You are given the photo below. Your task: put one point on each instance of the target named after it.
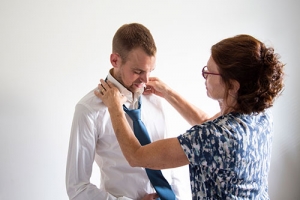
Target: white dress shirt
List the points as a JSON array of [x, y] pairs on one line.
[[93, 139]]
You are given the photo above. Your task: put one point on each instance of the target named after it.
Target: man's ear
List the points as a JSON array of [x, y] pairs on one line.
[[115, 60]]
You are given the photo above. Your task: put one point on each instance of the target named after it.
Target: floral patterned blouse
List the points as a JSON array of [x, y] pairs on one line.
[[230, 156]]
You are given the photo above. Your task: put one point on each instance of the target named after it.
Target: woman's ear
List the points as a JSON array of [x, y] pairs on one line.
[[115, 60], [235, 86]]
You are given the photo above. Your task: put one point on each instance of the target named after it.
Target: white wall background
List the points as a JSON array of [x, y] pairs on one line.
[[54, 52]]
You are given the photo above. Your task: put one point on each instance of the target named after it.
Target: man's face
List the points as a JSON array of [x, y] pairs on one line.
[[136, 71]]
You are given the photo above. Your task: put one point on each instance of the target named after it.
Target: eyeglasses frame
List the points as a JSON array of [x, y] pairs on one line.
[[205, 73]]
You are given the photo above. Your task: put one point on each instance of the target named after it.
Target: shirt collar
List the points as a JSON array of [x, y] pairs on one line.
[[124, 90]]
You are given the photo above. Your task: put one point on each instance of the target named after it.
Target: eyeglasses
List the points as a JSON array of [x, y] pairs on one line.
[[205, 73]]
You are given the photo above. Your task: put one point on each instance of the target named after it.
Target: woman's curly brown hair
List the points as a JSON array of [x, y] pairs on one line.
[[256, 67]]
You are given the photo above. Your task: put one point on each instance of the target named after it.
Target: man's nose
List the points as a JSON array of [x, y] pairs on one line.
[[145, 77]]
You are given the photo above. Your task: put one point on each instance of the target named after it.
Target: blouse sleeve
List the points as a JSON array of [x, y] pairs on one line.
[[209, 145]]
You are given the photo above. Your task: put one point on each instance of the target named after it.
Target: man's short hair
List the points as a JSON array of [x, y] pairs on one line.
[[132, 36]]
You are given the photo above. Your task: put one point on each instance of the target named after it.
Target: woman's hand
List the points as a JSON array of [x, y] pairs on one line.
[[157, 87], [109, 94]]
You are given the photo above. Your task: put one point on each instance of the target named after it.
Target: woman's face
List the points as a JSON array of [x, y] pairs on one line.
[[215, 87]]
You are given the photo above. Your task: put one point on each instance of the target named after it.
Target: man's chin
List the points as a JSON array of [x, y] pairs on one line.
[[139, 85], [136, 88]]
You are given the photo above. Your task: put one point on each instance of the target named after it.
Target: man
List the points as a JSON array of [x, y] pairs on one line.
[[92, 138]]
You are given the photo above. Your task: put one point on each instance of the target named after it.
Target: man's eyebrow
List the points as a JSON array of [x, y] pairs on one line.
[[137, 69]]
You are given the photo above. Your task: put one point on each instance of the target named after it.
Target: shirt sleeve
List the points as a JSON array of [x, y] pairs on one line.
[[80, 158]]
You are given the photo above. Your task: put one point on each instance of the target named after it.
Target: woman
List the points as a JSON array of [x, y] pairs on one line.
[[228, 154]]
